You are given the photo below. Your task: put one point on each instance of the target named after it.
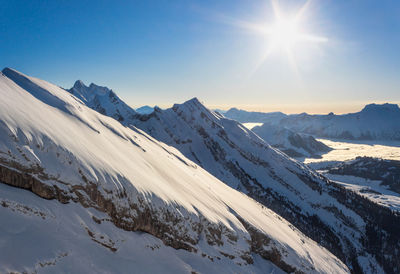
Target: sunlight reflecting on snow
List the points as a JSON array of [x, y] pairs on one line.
[[251, 125], [346, 150]]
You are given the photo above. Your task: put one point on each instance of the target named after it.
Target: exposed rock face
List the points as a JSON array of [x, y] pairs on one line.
[[137, 217], [145, 219], [25, 180]]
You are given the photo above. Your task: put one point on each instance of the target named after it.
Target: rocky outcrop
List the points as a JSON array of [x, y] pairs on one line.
[[145, 219], [139, 216]]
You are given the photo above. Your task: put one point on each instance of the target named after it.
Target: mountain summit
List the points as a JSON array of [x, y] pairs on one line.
[[103, 100], [383, 108]]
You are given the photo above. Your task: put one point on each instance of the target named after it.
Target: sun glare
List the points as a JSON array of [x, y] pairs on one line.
[[284, 33]]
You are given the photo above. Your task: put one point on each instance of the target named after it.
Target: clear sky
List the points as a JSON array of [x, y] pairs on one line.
[[162, 52]]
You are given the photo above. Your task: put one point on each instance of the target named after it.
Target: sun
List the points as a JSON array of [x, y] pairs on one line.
[[284, 33]]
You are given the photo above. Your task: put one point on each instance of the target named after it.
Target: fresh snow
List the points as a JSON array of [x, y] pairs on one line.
[[62, 135], [251, 125], [41, 236]]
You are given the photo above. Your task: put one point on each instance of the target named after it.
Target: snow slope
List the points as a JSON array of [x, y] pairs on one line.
[[240, 158], [42, 236], [55, 146], [335, 218], [292, 143]]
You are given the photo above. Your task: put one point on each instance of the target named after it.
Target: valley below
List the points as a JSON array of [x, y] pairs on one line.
[[343, 150]]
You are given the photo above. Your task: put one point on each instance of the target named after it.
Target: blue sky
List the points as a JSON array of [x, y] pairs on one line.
[[162, 52]]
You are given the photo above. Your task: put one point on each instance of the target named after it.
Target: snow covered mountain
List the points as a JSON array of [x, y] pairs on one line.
[[100, 185], [374, 122], [103, 100], [353, 228], [292, 143], [145, 110], [244, 116]]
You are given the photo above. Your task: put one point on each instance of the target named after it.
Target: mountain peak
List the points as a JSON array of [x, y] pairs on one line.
[[233, 110], [88, 92], [6, 69], [10, 71], [79, 84], [194, 101], [387, 107], [93, 86], [145, 109], [195, 107]]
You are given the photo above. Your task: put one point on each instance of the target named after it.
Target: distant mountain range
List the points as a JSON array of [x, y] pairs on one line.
[[374, 122], [245, 116]]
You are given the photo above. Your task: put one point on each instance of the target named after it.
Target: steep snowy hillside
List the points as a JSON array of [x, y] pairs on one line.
[[374, 122], [292, 143], [48, 236], [56, 147], [325, 211], [340, 220]]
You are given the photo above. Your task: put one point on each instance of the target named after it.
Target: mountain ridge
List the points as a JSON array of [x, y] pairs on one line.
[[373, 122]]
